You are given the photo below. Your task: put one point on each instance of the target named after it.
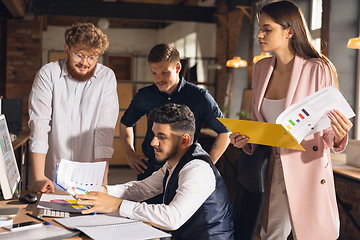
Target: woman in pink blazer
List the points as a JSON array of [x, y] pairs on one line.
[[299, 190]]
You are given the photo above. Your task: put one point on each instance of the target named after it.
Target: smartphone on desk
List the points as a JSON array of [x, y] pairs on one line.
[[23, 226]]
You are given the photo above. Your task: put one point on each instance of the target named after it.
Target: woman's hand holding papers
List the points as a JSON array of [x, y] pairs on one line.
[[100, 202], [340, 124], [237, 140]]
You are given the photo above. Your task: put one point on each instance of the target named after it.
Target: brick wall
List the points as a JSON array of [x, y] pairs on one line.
[[2, 56], [23, 61], [227, 35]]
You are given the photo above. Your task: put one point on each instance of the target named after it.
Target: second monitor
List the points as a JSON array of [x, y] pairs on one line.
[[9, 172]]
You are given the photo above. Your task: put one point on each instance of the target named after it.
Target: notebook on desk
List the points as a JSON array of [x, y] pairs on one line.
[[60, 202], [102, 226]]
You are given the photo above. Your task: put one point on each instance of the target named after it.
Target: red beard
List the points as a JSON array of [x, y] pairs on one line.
[[76, 75]]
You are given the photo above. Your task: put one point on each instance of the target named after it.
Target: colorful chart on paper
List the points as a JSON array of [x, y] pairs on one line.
[[60, 202], [300, 117], [71, 203], [80, 177]]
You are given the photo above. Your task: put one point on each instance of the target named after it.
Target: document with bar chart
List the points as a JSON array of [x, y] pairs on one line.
[[80, 177], [301, 119], [309, 115]]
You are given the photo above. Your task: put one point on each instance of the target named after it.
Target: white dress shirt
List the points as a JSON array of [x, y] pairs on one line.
[[196, 182], [71, 119]]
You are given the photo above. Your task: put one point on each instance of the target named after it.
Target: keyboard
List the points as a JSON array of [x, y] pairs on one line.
[[46, 212]]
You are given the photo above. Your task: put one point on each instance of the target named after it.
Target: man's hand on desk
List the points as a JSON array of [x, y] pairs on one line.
[[100, 202]]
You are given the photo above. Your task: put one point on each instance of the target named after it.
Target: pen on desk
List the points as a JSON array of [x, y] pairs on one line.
[[45, 222]]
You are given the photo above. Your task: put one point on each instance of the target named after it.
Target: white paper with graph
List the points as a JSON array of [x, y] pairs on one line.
[[309, 115], [80, 177]]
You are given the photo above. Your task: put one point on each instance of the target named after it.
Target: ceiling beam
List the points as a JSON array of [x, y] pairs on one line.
[[123, 10], [114, 23], [15, 7]]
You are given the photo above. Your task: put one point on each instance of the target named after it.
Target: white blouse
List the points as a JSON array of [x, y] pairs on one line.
[[270, 109]]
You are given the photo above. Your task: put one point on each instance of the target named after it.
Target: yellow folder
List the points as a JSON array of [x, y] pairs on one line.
[[263, 133]]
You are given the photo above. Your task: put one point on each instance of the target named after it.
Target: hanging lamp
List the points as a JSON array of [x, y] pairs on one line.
[[354, 43], [236, 62], [261, 56]]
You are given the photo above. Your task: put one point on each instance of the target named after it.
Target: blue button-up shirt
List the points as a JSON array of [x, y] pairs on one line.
[[199, 100]]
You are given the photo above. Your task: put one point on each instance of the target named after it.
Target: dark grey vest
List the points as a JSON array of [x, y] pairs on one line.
[[214, 219]]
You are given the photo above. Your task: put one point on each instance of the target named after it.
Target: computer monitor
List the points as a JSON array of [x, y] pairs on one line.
[[12, 109], [9, 172]]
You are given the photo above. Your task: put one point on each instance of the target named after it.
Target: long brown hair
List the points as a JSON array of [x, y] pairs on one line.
[[286, 14]]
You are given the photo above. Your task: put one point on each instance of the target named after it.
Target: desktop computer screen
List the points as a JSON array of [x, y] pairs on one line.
[[9, 172], [12, 109]]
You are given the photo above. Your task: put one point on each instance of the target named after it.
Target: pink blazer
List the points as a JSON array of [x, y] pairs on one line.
[[308, 175]]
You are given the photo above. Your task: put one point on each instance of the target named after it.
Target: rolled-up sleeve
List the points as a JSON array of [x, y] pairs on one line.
[[211, 111], [40, 109], [105, 127], [134, 112]]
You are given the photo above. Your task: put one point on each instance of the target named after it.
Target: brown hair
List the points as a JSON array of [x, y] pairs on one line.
[[86, 36], [163, 52], [286, 14]]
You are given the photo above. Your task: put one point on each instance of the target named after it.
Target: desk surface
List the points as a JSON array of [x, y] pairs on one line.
[[32, 209], [338, 161], [20, 141]]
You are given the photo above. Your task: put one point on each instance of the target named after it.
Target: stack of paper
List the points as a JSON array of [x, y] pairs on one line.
[[110, 227]]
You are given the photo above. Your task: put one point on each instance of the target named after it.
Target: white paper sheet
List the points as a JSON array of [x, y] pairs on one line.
[[80, 177], [93, 220], [44, 232], [309, 115], [105, 226], [138, 231]]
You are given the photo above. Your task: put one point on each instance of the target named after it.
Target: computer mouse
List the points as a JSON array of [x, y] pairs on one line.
[[28, 198]]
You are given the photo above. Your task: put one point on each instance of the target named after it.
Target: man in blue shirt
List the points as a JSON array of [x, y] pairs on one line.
[[168, 87]]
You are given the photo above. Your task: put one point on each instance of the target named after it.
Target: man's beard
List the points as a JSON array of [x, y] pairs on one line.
[[170, 155], [76, 75]]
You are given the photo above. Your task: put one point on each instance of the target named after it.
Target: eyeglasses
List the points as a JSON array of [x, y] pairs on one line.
[[78, 57]]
